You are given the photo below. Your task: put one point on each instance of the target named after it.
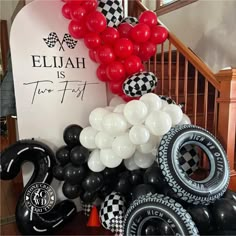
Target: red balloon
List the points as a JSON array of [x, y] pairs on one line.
[[123, 48], [148, 18], [147, 50], [158, 34], [110, 35], [92, 55], [116, 87], [136, 49], [142, 68], [101, 73], [92, 40], [66, 9], [96, 22], [90, 5], [77, 29], [105, 54], [124, 29], [132, 64], [116, 71], [78, 13], [140, 33]]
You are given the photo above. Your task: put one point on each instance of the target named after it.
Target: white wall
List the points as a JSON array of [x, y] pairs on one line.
[[208, 27]]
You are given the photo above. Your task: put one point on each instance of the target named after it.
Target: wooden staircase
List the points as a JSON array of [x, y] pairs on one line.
[[209, 99]]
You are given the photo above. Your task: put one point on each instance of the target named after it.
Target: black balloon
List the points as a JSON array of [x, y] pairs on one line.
[[142, 189], [93, 182], [70, 191], [165, 228], [79, 155], [151, 230], [229, 194], [71, 135], [123, 185], [58, 172], [105, 191], [74, 174], [88, 197], [136, 177], [63, 155]]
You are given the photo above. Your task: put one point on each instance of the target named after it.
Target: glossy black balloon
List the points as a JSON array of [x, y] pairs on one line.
[[70, 191], [93, 182], [63, 155], [71, 135], [79, 155], [105, 191], [224, 214], [136, 177], [151, 230], [142, 189], [74, 174], [201, 215], [88, 197], [123, 185], [229, 194], [58, 172]]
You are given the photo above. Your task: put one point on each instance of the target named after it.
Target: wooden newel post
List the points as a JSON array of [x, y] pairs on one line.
[[227, 114]]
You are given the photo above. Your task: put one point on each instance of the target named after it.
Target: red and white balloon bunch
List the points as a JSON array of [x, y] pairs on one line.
[[120, 50], [129, 132]]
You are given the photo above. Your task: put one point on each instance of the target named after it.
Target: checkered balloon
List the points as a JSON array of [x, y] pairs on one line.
[[130, 20], [139, 84], [167, 99], [112, 10], [188, 158], [86, 207], [112, 212]]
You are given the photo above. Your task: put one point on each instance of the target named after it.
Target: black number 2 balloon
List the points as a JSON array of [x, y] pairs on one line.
[[37, 192]]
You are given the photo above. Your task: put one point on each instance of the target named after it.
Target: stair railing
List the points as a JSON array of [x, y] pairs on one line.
[[209, 99]]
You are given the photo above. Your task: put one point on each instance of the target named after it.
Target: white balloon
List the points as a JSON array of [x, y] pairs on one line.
[[158, 122], [96, 117], [116, 101], [94, 162], [150, 145], [174, 112], [130, 164], [123, 147], [87, 137], [143, 160], [185, 120], [109, 108], [119, 108], [103, 140], [114, 124], [139, 134], [152, 101], [135, 112], [109, 158]]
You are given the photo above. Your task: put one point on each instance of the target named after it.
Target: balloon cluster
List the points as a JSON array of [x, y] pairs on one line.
[[121, 49], [129, 132]]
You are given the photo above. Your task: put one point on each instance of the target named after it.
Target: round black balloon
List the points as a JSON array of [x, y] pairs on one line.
[[151, 230], [201, 215], [88, 197], [105, 191], [74, 174], [224, 214], [142, 189], [229, 194], [136, 177], [165, 228], [70, 191], [123, 185], [93, 182], [63, 155], [71, 135], [58, 172], [79, 155]]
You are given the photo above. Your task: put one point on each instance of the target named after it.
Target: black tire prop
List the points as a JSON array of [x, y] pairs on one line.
[[192, 191], [158, 215], [43, 160]]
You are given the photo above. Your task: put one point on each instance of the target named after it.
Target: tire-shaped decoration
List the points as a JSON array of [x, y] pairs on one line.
[[192, 191], [158, 215]]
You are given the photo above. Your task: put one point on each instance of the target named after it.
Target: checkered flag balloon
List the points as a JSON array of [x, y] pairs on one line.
[[112, 10], [87, 207], [51, 40], [188, 158], [70, 42], [130, 20]]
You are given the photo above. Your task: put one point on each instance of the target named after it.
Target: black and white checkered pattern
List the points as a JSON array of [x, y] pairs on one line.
[[70, 42], [113, 205], [112, 10], [51, 40], [139, 84], [87, 208], [130, 19], [167, 99], [116, 225], [188, 158]]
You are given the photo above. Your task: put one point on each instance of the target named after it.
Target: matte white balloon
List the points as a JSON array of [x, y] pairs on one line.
[[139, 134], [94, 162], [123, 147], [114, 124], [152, 101], [130, 164], [87, 137], [119, 108], [135, 112], [109, 108], [109, 158], [150, 145], [185, 120], [174, 112], [158, 122], [103, 140], [96, 117], [116, 101], [143, 160]]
